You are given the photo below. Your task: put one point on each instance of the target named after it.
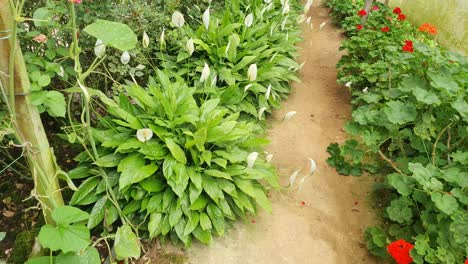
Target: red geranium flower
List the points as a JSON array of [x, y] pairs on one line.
[[400, 250], [359, 27], [466, 261], [397, 10], [401, 17], [362, 12], [426, 27], [375, 8], [408, 47], [385, 29], [75, 1]]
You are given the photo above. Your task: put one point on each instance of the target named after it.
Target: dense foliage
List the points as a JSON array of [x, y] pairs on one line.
[[409, 122]]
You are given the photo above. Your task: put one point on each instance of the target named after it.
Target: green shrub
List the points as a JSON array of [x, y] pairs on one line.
[[190, 179], [410, 117]]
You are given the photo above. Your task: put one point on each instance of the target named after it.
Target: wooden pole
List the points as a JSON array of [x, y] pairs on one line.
[[27, 122], [367, 7]]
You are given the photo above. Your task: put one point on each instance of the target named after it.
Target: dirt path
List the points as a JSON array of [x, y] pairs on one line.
[[328, 229]]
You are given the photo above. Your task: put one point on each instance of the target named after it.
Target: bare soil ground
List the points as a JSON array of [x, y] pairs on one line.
[[324, 222]]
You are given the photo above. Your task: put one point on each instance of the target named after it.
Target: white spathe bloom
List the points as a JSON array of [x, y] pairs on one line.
[[260, 113], [205, 73], [247, 87], [283, 24], [267, 1], [227, 49], [268, 92], [206, 18], [178, 19], [125, 58], [365, 90], [252, 72], [251, 158], [322, 25], [146, 40], [348, 84], [61, 72], [289, 115], [144, 134], [313, 166], [286, 8], [190, 47], [248, 21], [293, 176], [162, 39], [214, 81], [268, 158], [270, 6], [99, 48]]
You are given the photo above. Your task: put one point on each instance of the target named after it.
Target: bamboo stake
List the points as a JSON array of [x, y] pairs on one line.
[[25, 116]]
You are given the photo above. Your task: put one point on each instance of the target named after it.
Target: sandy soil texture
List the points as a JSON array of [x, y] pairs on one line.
[[324, 221]]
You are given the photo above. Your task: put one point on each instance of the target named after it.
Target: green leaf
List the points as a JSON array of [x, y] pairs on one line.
[[89, 256], [400, 113], [400, 210], [218, 174], [262, 200], [129, 177], [192, 223], [153, 184], [108, 161], [199, 203], [202, 235], [85, 192], [176, 151], [113, 34], [126, 243], [65, 215], [211, 188], [43, 80], [175, 213], [97, 213], [68, 238], [2, 236], [42, 17], [55, 104], [446, 203], [205, 221], [40, 260], [401, 183], [79, 173], [217, 218], [154, 224]]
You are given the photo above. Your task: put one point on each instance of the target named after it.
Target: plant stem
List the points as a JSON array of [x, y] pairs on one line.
[[390, 162], [434, 147]]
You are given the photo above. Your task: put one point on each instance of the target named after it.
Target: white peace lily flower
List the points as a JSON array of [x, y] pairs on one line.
[[267, 1], [293, 176], [227, 49], [313, 166], [251, 159], [301, 18], [178, 19], [268, 158], [365, 90], [260, 112], [270, 6], [287, 37], [206, 18], [247, 87], [205, 73], [248, 21], [348, 84], [268, 92], [252, 72], [99, 48], [146, 40], [125, 58], [283, 25], [214, 81], [61, 73], [144, 134], [289, 115], [162, 39], [307, 7], [190, 47], [322, 25], [286, 8]]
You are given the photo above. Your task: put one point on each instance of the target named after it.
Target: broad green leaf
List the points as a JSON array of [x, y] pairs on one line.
[[443, 80], [89, 256], [126, 243], [202, 235], [446, 203], [401, 183], [199, 203], [55, 104], [218, 174], [108, 161], [85, 193], [400, 113], [79, 173], [68, 238], [65, 215], [211, 188], [97, 213], [205, 221], [113, 34], [154, 224], [153, 184], [129, 177], [425, 176], [42, 17], [217, 218], [153, 150], [262, 200], [192, 223], [400, 210], [40, 260], [176, 151], [175, 213]]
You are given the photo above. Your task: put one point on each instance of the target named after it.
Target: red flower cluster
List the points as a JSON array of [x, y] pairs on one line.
[[426, 27], [359, 27], [401, 17], [466, 261], [75, 1], [362, 13], [400, 250], [385, 29], [397, 10], [375, 8], [408, 47]]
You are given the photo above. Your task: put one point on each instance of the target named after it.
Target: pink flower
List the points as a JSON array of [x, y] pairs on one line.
[[40, 38], [75, 1], [375, 8]]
